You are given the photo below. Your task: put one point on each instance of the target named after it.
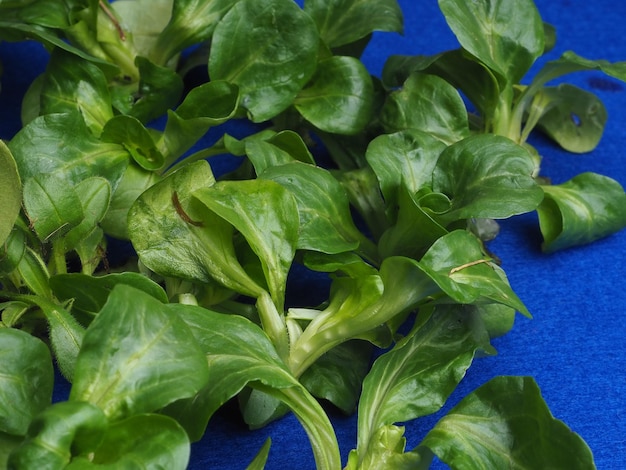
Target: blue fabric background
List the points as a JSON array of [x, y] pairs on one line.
[[575, 345]]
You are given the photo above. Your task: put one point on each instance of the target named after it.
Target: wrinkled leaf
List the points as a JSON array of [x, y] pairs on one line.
[[387, 450], [406, 158], [136, 357], [487, 176], [269, 49], [503, 424], [588, 207], [26, 379]]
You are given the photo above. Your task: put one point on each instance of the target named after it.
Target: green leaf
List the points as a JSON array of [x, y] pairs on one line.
[[266, 214], [26, 379], [94, 195], [506, 35], [137, 357], [205, 106], [154, 440], [134, 137], [72, 84], [59, 431], [339, 98], [324, 210], [134, 182], [429, 104], [160, 89], [503, 424], [52, 206], [457, 263], [266, 151], [239, 353], [576, 118], [337, 375], [579, 211], [12, 250], [269, 49], [89, 293], [11, 201], [403, 159], [342, 22], [486, 176], [416, 377], [176, 236], [37, 150]]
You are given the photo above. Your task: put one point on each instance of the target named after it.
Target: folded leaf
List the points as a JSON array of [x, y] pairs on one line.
[[584, 209]]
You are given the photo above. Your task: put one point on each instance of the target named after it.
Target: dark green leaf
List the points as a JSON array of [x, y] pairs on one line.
[[429, 104], [588, 207], [506, 424], [134, 137], [337, 375], [94, 194], [267, 48], [487, 176], [325, 221], [26, 379], [403, 159], [342, 22], [339, 98], [137, 357], [11, 201], [505, 35]]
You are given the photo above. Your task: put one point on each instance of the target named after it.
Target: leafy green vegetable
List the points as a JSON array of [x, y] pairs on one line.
[[392, 215]]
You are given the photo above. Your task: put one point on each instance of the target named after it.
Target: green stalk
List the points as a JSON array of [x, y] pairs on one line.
[[314, 421], [273, 324]]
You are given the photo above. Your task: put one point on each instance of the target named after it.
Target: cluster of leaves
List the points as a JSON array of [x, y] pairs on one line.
[[396, 220]]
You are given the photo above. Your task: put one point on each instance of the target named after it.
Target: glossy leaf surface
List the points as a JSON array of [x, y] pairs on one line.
[[136, 357], [506, 423]]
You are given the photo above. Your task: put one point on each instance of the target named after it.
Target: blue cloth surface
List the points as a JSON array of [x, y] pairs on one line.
[[575, 345]]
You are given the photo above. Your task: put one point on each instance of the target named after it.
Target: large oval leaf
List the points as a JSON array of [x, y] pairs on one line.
[[339, 98], [269, 49], [137, 357], [506, 424], [427, 103]]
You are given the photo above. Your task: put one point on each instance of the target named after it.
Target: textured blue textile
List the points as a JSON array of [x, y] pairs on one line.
[[575, 346]]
